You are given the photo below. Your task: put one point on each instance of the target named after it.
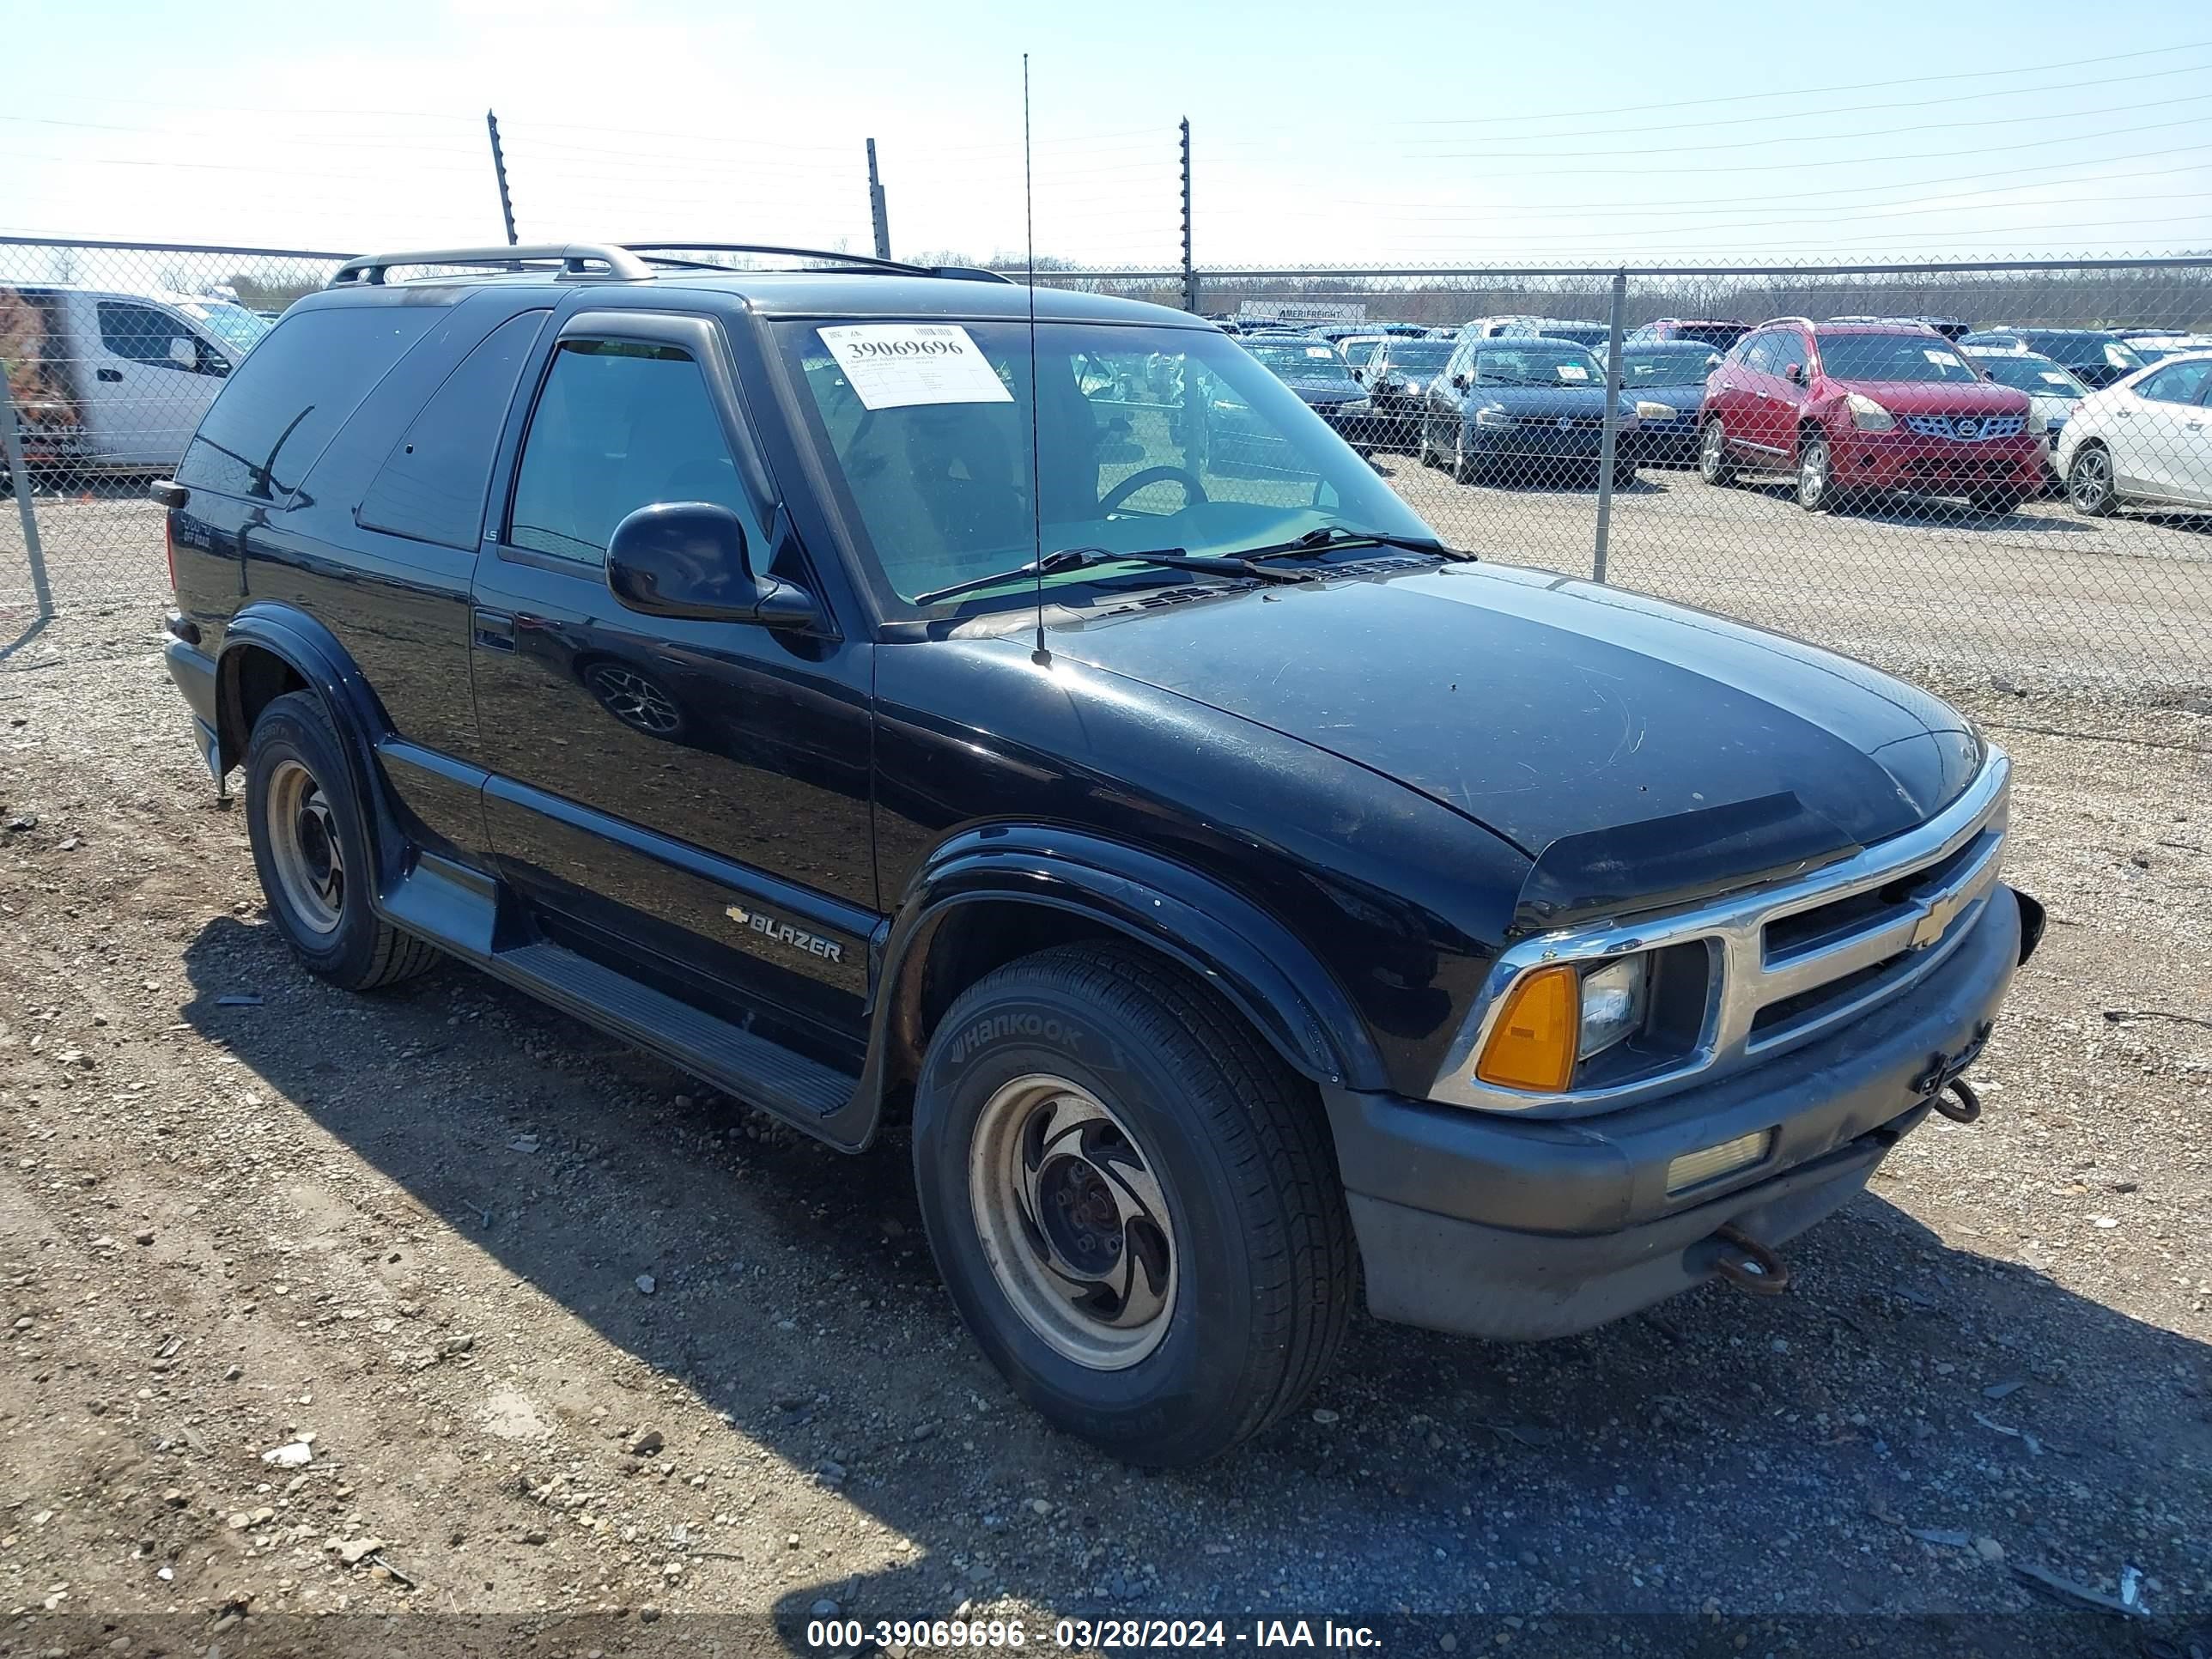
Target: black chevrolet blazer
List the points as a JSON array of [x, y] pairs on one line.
[[890, 707]]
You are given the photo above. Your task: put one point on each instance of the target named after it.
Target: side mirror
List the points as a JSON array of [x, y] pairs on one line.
[[689, 559], [1459, 382], [184, 353], [1795, 373]]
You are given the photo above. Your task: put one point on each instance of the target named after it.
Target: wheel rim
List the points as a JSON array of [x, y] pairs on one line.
[[1709, 453], [2091, 478], [1073, 1222], [636, 701], [1813, 473], [304, 846]]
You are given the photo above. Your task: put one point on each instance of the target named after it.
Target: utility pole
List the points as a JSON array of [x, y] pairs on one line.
[[877, 212], [1189, 270], [499, 169]]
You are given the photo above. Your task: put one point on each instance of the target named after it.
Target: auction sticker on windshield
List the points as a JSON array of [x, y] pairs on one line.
[[1573, 372], [900, 365]]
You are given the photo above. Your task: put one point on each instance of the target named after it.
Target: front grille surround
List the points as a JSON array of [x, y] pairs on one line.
[[1792, 962], [1966, 428]]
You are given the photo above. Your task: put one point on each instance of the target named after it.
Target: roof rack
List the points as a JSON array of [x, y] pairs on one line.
[[630, 262], [574, 258]]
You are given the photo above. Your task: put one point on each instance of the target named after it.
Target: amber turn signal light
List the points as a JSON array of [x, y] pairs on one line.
[[1532, 1044]]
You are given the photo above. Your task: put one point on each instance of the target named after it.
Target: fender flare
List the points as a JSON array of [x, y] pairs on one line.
[[313, 652], [1252, 959]]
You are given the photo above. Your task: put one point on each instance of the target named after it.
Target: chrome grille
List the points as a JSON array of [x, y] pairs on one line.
[[1970, 429], [1794, 962]]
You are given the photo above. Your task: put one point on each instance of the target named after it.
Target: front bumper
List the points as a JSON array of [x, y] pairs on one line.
[[1506, 1227], [1904, 460], [1663, 443], [1544, 441]]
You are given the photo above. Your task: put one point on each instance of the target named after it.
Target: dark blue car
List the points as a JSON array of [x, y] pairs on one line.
[[1513, 408], [1670, 373]]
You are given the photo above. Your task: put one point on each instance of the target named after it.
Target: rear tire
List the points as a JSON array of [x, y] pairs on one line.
[[1134, 1202], [2090, 488], [311, 854], [1713, 465]]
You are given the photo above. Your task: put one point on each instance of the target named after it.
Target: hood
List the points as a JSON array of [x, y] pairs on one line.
[[1536, 401], [1545, 706], [1937, 397], [1679, 398], [1327, 391]]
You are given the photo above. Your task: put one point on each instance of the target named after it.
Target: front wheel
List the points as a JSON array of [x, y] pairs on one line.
[[1133, 1203], [1465, 469], [2089, 484], [1814, 474], [1624, 475], [1712, 457]]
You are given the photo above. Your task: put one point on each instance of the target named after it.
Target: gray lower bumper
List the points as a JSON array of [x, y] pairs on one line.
[[1507, 1228]]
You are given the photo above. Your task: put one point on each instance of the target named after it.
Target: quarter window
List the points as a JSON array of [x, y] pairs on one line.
[[431, 486], [621, 424]]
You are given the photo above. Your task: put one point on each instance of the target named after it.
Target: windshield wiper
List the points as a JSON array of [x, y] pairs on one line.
[[1330, 537], [1081, 558]]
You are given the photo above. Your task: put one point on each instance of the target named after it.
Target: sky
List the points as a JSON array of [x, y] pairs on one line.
[[1419, 135]]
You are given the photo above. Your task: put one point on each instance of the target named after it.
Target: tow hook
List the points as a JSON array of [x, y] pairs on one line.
[[1968, 1105], [1749, 1265]]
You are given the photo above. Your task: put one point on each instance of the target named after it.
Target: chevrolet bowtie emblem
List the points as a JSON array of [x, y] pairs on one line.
[[1935, 921], [740, 916]]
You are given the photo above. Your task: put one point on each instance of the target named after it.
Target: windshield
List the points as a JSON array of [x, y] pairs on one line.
[[234, 325], [2030, 374], [1146, 438], [1537, 362], [1302, 361], [1890, 357], [1418, 356], [2088, 349], [1681, 365]]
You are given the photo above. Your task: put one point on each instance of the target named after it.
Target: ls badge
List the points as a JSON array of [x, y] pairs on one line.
[[782, 933]]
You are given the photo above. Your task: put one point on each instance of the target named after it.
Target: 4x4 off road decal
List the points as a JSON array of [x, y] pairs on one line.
[[782, 933]]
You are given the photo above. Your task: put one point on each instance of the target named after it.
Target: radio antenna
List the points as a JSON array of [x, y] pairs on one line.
[[1041, 657]]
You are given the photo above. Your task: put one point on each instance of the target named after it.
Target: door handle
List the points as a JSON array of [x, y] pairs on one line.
[[115, 374], [495, 630]]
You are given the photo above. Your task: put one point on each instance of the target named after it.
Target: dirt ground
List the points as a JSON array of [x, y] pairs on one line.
[[559, 1332]]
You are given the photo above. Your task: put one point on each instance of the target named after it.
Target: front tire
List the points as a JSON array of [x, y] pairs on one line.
[[2090, 488], [1132, 1201], [1465, 469], [1713, 466], [1815, 473], [311, 854]]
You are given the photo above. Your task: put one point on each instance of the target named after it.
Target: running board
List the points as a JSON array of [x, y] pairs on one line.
[[756, 1071]]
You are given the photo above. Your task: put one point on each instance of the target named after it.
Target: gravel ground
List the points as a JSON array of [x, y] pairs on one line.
[[569, 1334]]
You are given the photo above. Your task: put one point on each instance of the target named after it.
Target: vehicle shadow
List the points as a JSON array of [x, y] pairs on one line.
[[1432, 1473], [1938, 512]]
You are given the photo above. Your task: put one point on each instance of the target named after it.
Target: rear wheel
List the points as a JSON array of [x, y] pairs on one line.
[[2089, 484], [311, 854], [1133, 1203], [1712, 457], [1815, 479]]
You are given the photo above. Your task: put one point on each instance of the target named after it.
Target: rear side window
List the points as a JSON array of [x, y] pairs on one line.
[[293, 391], [431, 486], [620, 425]]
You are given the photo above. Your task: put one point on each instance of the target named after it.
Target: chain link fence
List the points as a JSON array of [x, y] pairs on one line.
[[2000, 477]]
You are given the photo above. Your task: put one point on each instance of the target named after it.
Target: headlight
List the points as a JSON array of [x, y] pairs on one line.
[[1412, 387], [1869, 415], [1494, 416], [1558, 1016], [1614, 999], [1651, 411]]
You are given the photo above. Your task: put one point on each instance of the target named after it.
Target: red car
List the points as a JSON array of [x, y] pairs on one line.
[[1857, 409]]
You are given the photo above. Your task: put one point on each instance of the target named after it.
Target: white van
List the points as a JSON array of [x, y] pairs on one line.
[[107, 380]]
